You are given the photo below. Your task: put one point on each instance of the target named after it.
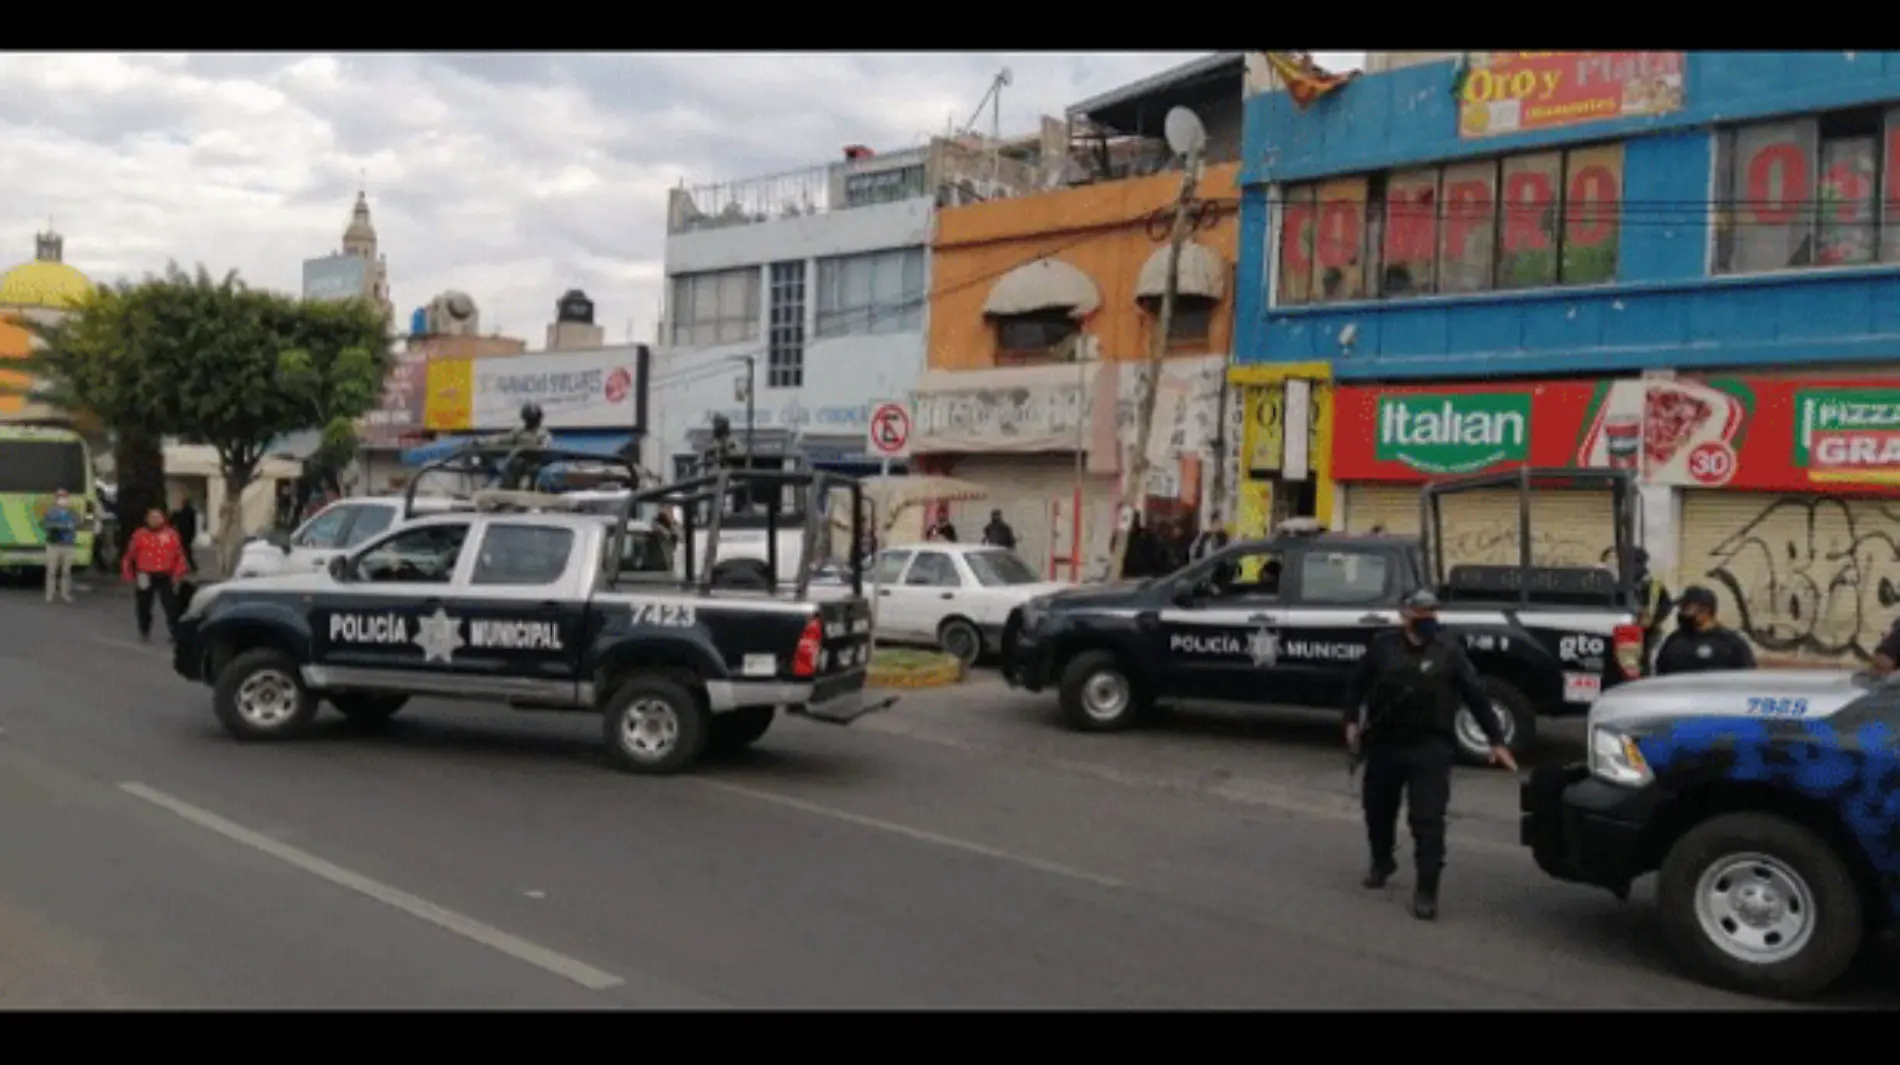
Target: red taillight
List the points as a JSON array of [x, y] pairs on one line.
[[1629, 650], [805, 659]]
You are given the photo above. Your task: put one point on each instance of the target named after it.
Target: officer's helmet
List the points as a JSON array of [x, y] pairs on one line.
[[531, 415]]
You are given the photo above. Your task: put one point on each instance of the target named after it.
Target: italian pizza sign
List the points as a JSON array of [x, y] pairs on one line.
[[1746, 433]]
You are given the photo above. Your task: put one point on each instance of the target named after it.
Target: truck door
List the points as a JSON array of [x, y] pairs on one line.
[[1225, 644], [1343, 596], [391, 616], [525, 612]]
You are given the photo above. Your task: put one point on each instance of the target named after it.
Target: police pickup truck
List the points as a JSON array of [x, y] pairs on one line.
[[1768, 802], [519, 603], [1285, 621]]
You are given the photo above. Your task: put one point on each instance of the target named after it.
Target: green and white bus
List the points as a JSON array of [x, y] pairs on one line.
[[37, 460]]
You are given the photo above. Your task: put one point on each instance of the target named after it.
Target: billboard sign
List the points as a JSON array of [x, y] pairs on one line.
[[446, 400], [335, 277], [597, 389], [1520, 92]]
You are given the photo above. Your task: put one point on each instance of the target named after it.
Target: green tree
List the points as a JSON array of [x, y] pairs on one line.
[[216, 362]]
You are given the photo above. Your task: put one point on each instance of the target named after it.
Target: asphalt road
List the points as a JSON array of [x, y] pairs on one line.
[[958, 851]]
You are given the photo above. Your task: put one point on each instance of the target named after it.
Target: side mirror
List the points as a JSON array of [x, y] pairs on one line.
[[339, 567], [1185, 593]]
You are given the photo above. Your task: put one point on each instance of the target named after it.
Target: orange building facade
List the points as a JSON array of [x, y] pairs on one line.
[[1043, 311]]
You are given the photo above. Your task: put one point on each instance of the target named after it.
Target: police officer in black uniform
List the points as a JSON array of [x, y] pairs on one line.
[[1409, 686], [1700, 643]]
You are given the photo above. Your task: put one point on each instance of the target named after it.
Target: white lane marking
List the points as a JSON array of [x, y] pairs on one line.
[[918, 834], [467, 927]]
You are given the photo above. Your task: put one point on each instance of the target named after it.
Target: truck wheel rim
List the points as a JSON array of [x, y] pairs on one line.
[[267, 699], [959, 643], [1473, 738], [1755, 908], [649, 729], [1105, 695]]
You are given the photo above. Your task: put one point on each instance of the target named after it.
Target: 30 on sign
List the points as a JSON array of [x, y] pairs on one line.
[[1712, 463]]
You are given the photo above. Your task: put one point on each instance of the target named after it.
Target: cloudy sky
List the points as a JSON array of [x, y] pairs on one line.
[[512, 177]]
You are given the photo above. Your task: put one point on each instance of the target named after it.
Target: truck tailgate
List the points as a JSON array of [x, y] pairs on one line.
[[844, 657]]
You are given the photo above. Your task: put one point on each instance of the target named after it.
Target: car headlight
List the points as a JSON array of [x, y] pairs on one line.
[[1615, 758]]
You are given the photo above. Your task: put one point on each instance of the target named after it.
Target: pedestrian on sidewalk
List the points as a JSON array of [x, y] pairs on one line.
[[60, 525], [1401, 717], [155, 564], [998, 533]]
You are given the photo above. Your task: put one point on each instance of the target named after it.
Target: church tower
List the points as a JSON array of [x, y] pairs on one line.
[[359, 239]]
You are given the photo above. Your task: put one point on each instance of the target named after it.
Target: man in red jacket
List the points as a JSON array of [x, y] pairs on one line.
[[155, 562]]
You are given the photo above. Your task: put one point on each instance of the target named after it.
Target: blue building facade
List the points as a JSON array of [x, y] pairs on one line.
[[1687, 265], [1742, 228]]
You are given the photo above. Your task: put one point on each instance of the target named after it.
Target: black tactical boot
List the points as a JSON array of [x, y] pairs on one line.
[[1425, 899], [1381, 872]]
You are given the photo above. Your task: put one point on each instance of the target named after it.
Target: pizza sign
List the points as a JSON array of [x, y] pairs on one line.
[[1675, 431], [1848, 433]]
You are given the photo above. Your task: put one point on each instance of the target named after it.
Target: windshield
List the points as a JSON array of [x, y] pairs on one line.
[[42, 466], [995, 569]]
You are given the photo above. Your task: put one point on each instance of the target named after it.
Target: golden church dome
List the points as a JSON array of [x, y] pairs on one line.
[[54, 286]]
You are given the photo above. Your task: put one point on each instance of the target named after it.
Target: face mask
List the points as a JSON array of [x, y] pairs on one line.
[[1687, 621], [1425, 628]]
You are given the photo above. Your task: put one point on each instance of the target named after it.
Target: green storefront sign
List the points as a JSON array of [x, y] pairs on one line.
[[1847, 426], [1454, 432]]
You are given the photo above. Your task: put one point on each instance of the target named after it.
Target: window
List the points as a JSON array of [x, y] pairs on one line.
[[715, 308], [1253, 573], [1344, 577], [1534, 220], [1804, 192], [884, 186], [874, 293], [324, 531], [889, 565], [999, 569], [370, 521], [643, 554], [425, 554], [933, 569], [785, 346], [1033, 335], [522, 555], [42, 466], [1193, 321]]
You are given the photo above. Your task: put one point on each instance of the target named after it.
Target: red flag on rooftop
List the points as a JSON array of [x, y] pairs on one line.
[[1306, 80]]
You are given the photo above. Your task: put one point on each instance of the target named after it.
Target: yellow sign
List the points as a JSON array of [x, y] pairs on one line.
[[449, 402], [1260, 439]]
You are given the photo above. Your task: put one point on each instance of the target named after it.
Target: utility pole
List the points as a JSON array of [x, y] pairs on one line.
[[751, 392], [1136, 487]]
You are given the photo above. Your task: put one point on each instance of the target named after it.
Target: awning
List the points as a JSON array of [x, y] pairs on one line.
[[1203, 273], [1044, 285], [435, 450]]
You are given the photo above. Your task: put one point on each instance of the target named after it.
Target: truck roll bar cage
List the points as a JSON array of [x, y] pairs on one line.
[[717, 489], [1624, 512]]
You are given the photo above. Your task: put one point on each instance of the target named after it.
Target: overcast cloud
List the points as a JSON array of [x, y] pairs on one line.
[[512, 177]]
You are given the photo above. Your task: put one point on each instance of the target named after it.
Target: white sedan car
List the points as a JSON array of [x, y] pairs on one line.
[[953, 596]]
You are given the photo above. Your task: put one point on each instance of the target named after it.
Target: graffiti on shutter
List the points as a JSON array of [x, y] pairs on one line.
[[1567, 528], [1810, 577]]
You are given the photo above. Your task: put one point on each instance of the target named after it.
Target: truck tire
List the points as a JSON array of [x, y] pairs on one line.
[[960, 640], [1099, 695], [655, 725], [364, 709], [1756, 903], [259, 696], [1515, 712], [736, 730]]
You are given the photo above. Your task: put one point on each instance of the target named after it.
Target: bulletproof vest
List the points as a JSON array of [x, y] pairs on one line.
[[1411, 696]]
